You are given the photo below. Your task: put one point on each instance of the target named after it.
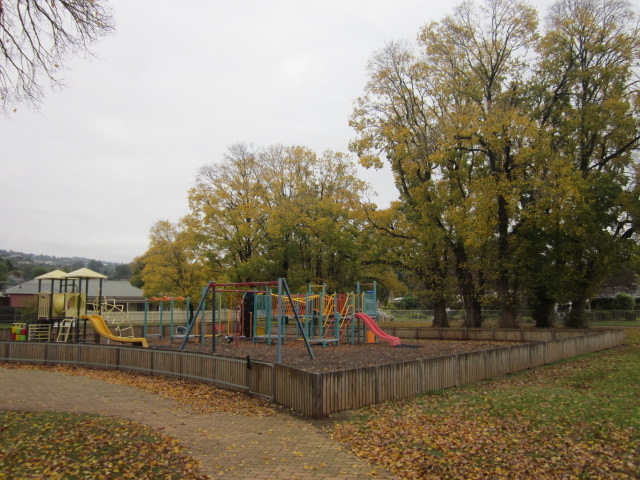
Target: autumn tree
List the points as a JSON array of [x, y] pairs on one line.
[[314, 227], [451, 123], [137, 267], [589, 105], [279, 211], [37, 39], [229, 212], [172, 265], [519, 166], [406, 247]]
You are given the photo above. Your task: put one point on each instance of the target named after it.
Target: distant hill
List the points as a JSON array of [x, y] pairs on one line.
[[16, 267]]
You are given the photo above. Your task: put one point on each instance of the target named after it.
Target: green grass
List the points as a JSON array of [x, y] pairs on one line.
[[65, 446], [579, 418]]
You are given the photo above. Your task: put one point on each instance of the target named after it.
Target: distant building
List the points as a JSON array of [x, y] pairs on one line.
[[121, 290]]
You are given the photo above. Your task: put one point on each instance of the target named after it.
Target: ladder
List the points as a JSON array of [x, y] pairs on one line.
[[64, 330]]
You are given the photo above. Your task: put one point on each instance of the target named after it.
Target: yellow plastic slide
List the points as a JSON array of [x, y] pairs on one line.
[[101, 327]]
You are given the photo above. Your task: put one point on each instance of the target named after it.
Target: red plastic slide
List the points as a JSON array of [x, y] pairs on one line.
[[373, 326]]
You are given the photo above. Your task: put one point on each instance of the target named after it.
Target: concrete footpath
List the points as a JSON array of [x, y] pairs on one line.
[[228, 446]]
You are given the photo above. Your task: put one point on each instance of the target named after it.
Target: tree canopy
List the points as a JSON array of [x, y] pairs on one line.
[[263, 213], [514, 151]]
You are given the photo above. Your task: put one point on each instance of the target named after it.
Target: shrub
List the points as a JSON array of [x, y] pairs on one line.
[[408, 303], [624, 301]]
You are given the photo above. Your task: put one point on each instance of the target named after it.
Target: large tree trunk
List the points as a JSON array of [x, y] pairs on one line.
[[472, 308], [508, 312], [577, 317], [440, 318], [543, 307], [472, 311]]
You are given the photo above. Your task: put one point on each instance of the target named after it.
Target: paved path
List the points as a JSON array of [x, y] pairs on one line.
[[229, 447]]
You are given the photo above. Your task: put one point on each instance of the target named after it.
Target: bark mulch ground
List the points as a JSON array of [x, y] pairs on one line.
[[334, 357]]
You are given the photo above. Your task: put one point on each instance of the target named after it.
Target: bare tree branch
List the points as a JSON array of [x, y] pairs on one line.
[[37, 38]]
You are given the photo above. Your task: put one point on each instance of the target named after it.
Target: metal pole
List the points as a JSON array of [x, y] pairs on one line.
[[359, 308], [203, 326], [213, 322], [295, 313], [99, 299], [187, 312], [51, 301], [192, 322], [375, 300], [336, 318], [279, 326], [269, 320], [321, 313], [353, 319], [146, 312], [171, 323]]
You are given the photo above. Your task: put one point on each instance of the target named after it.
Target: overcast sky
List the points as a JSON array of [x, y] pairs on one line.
[[171, 90]]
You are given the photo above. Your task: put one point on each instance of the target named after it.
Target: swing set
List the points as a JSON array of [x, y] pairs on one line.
[[235, 313], [176, 327], [253, 311]]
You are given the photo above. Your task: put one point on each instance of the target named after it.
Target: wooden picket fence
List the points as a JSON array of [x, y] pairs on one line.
[[320, 394]]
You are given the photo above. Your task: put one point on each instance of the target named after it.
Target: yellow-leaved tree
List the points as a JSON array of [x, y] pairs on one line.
[[172, 263]]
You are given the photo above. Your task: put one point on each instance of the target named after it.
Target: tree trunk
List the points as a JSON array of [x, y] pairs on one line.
[[472, 308], [577, 317], [543, 308], [506, 297], [440, 318], [508, 315], [472, 311]]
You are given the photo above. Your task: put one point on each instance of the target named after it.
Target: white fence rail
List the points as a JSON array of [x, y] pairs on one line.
[[623, 318]]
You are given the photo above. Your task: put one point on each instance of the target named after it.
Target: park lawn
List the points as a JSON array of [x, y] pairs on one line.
[[578, 418], [70, 446]]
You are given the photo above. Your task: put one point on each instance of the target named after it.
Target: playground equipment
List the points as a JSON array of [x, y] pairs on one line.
[[242, 319], [114, 314], [100, 326], [174, 331], [252, 311], [67, 307], [340, 317], [371, 324]]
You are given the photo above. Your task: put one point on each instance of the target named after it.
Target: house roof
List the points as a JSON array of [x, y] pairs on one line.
[[611, 292], [110, 288]]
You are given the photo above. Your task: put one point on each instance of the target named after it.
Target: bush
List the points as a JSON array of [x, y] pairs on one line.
[[408, 303], [602, 304], [29, 313], [624, 301]]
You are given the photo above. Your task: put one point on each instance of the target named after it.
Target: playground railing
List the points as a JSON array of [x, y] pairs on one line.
[[321, 394]]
